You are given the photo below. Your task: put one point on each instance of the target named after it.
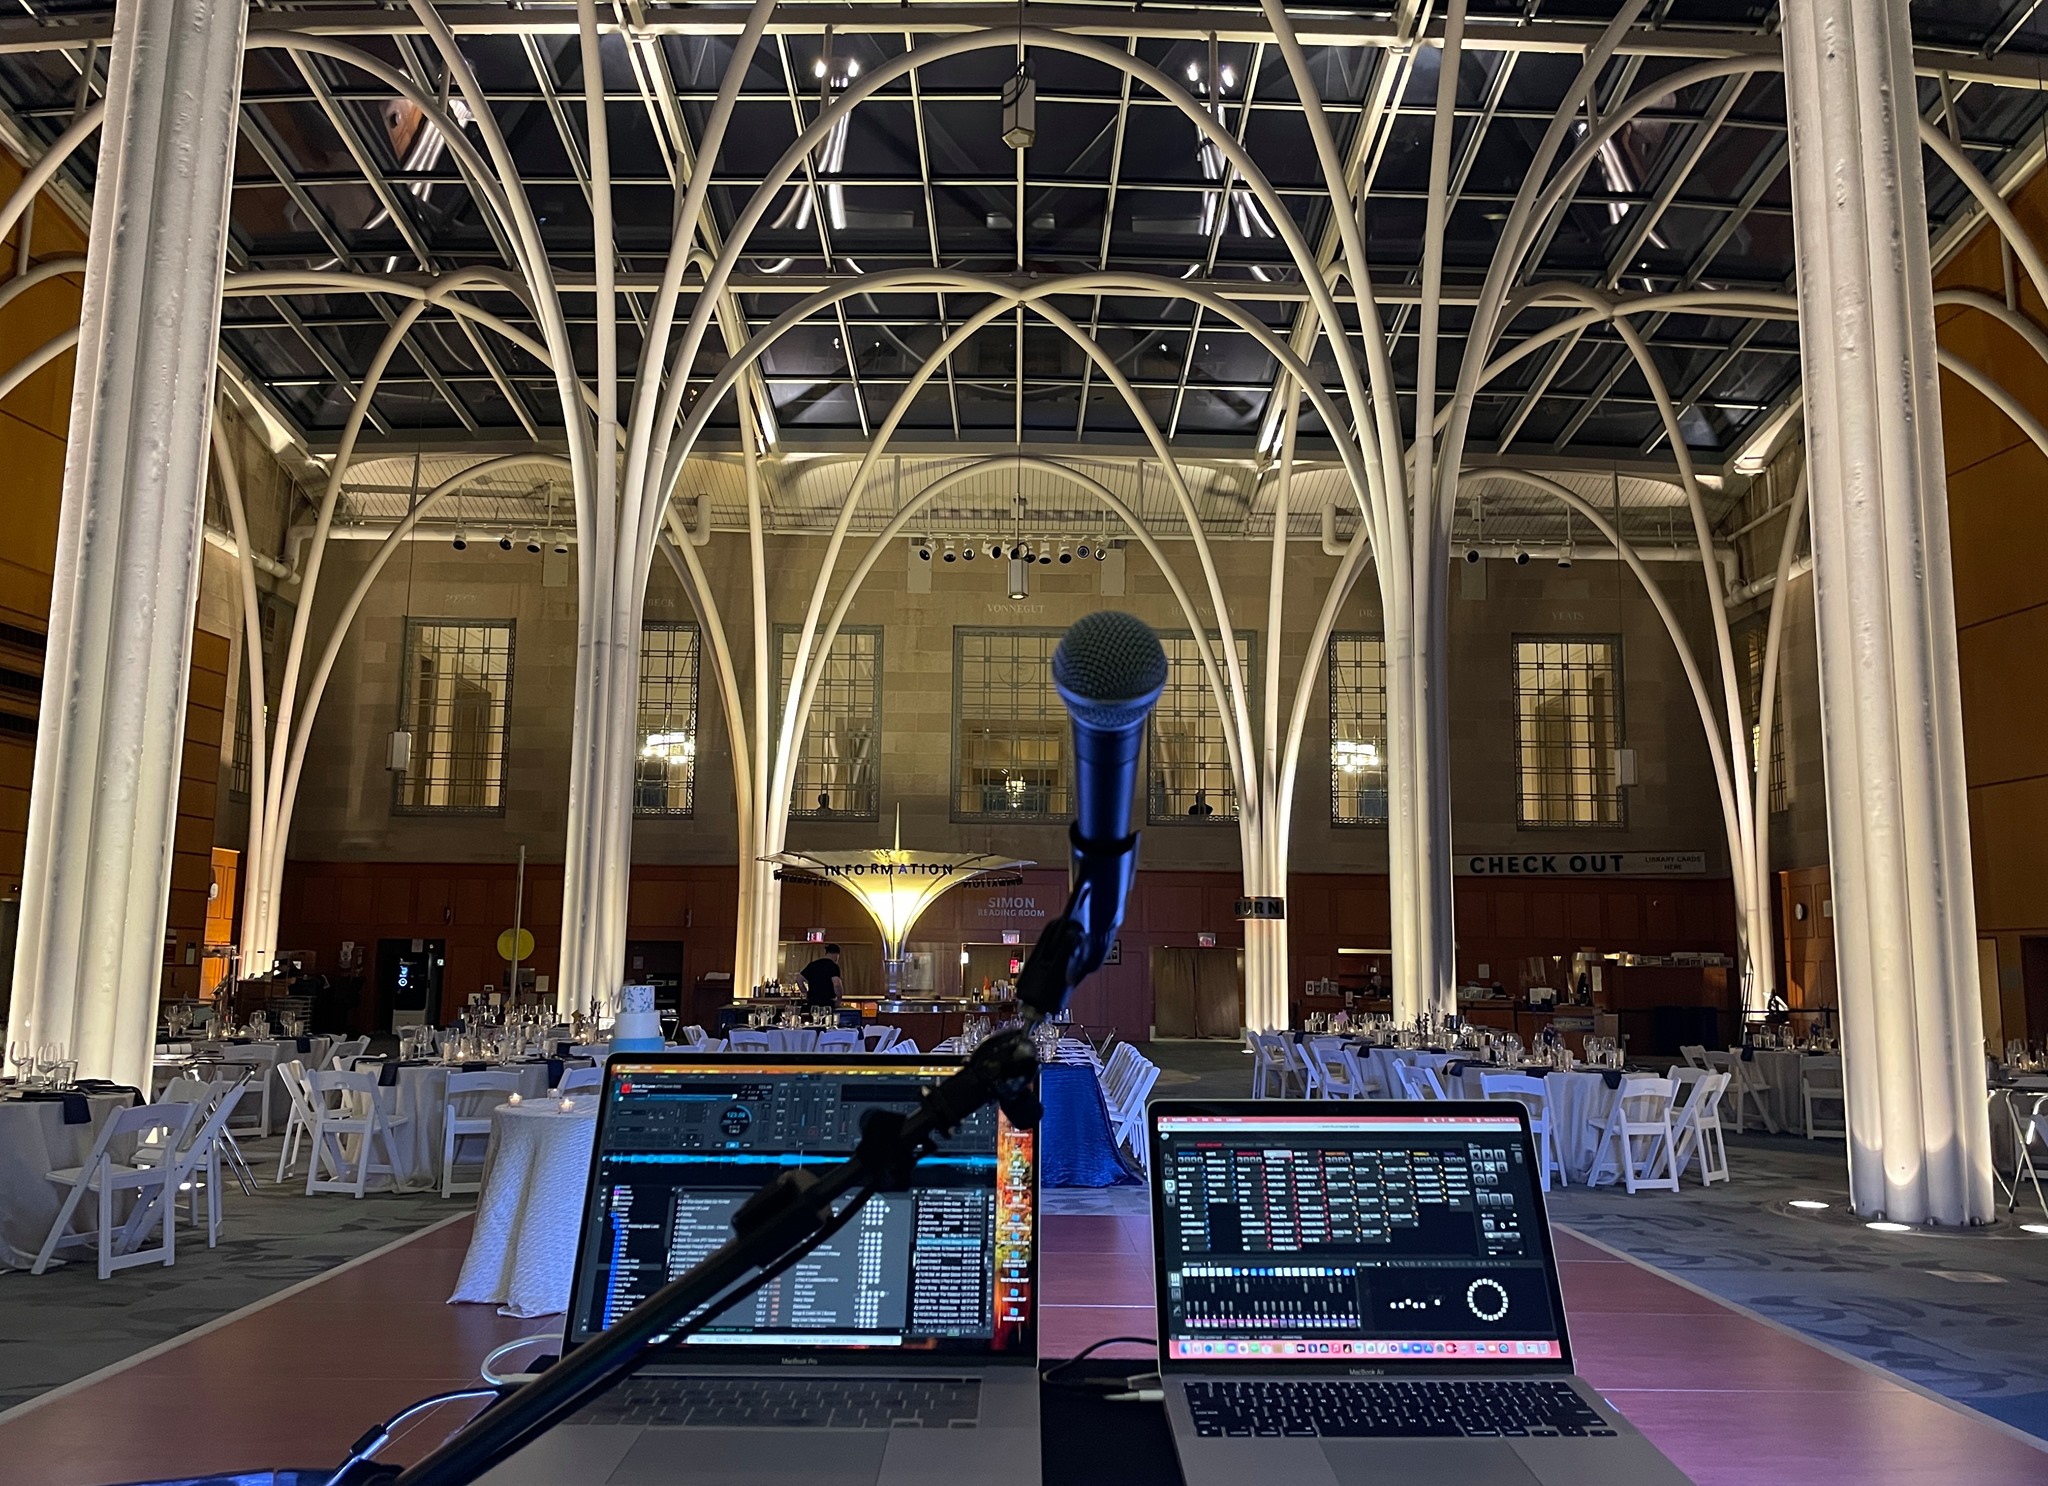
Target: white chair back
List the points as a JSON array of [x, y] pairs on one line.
[[1419, 1081], [1694, 1053], [575, 1079], [466, 1115], [746, 1040], [840, 1040], [162, 1125]]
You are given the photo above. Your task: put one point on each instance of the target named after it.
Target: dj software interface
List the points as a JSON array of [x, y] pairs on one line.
[[1306, 1238], [946, 1265]]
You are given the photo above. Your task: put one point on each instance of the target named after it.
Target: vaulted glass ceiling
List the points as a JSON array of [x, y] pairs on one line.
[[335, 171]]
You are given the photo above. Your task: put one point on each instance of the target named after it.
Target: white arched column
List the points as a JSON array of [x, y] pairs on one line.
[[111, 735], [1898, 824]]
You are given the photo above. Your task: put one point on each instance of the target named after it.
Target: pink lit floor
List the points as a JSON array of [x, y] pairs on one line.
[[1735, 1401]]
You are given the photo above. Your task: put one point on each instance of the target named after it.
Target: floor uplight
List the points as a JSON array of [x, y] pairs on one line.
[[1883, 1227], [2034, 1227], [1807, 1205]]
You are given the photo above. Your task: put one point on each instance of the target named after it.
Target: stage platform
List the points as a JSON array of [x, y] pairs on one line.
[[292, 1381]]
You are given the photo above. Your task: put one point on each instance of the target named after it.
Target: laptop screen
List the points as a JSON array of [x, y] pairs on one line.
[[946, 1268], [1346, 1234]]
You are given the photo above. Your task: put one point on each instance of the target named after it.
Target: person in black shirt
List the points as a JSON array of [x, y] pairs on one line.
[[821, 978]]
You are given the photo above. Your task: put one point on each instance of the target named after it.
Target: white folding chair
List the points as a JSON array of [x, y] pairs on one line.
[[260, 1063], [471, 1098], [794, 1039], [747, 1040], [195, 1161], [344, 1054], [1820, 1082], [1697, 1125], [1342, 1077], [1694, 1053], [1534, 1096], [840, 1040], [596, 1052], [1419, 1081], [1750, 1089], [103, 1176], [1127, 1111], [693, 1036], [298, 1123], [1636, 1144], [348, 1103], [879, 1036], [577, 1079], [904, 1047]]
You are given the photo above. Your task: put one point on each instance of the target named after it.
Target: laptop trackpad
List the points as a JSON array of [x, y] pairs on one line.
[[760, 1457], [1468, 1462]]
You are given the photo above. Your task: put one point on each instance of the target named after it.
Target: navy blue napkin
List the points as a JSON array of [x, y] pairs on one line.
[[1611, 1077], [108, 1086], [77, 1110], [562, 1049], [474, 1067], [1748, 1053], [556, 1067], [303, 1044], [388, 1079], [1456, 1066]]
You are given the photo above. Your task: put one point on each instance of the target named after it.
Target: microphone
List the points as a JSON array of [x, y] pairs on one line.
[[1109, 670]]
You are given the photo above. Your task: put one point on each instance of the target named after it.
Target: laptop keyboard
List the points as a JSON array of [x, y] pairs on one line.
[[797, 1403], [1393, 1409]]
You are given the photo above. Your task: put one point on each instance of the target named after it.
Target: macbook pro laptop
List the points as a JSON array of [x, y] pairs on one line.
[[1366, 1292], [902, 1352]]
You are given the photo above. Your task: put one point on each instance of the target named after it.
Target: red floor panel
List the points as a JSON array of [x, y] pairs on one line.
[[1734, 1401]]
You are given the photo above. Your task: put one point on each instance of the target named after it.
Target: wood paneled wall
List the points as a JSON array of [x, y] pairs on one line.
[[1500, 923]]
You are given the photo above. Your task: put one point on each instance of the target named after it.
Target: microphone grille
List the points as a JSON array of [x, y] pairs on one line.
[[1108, 663]]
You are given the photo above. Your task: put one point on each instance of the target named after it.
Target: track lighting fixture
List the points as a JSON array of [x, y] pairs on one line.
[[924, 550], [533, 543], [1101, 550], [1082, 550], [952, 553], [461, 542], [1066, 554], [1020, 552], [1521, 558], [967, 552], [561, 546], [1472, 554], [1564, 558], [505, 542], [995, 551]]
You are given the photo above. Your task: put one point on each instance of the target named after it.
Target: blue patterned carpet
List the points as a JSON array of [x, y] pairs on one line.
[[1963, 1315], [59, 1326]]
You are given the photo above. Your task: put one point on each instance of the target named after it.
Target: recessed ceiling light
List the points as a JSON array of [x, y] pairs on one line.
[[1885, 1227], [1807, 1205]]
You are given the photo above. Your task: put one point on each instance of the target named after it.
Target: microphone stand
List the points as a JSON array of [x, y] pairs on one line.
[[797, 1211]]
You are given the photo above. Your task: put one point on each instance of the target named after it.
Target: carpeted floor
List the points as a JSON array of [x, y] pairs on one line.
[[1962, 1315], [60, 1326]]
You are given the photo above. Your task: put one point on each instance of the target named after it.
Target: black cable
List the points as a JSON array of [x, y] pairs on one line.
[[378, 1436], [1050, 1375]]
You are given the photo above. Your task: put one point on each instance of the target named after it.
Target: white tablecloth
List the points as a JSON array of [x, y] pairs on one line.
[[422, 1096], [1579, 1103], [536, 1172], [35, 1141]]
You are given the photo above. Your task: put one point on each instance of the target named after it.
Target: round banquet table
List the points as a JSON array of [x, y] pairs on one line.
[[35, 1141], [421, 1096], [522, 1253], [1781, 1072]]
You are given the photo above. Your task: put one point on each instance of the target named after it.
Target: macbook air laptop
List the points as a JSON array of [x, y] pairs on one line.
[[1366, 1292], [902, 1352]]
